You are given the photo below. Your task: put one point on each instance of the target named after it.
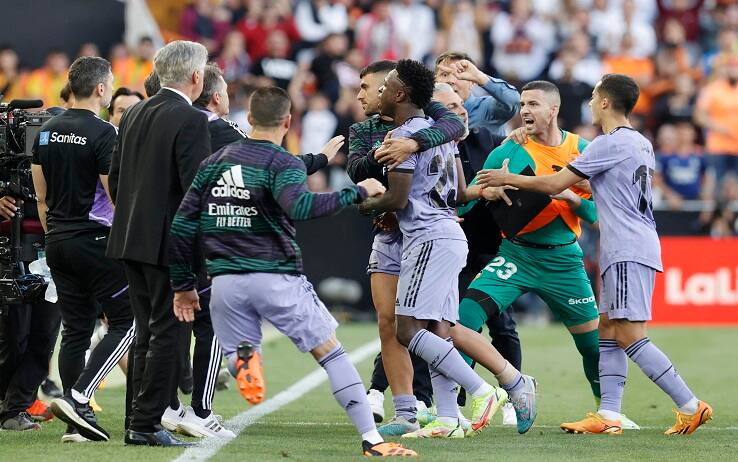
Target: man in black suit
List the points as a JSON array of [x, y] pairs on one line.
[[160, 146]]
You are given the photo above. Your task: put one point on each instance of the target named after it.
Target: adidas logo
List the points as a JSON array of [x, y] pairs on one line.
[[351, 404], [231, 184]]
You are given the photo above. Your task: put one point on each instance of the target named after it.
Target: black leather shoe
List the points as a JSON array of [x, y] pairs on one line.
[[159, 438]]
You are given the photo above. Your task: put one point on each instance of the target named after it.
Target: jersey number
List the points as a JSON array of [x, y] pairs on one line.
[[438, 199], [641, 176], [506, 269]]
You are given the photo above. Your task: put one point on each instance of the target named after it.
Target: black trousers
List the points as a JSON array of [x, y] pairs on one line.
[[27, 337], [155, 366], [422, 388], [206, 357], [83, 276]]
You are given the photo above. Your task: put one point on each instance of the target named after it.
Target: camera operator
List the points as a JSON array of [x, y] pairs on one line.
[[71, 160], [27, 336]]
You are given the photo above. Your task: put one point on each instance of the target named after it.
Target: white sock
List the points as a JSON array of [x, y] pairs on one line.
[[449, 421], [79, 397], [690, 407], [609, 415], [372, 436], [483, 389]]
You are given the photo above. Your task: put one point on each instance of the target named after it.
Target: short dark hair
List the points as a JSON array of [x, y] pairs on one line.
[[418, 80], [453, 56], [210, 81], [123, 91], [86, 73], [622, 92], [151, 84], [543, 85], [384, 65], [66, 93], [269, 105]]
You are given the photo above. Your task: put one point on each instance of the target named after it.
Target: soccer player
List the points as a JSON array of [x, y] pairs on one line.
[[242, 204], [620, 167], [392, 366], [544, 256], [423, 191]]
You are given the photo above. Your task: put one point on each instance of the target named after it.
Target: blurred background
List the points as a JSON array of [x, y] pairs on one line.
[[683, 54]]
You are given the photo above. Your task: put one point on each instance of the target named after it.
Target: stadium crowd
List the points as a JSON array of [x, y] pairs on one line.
[[683, 54]]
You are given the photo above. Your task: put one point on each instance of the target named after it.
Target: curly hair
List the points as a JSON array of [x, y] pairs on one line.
[[418, 79]]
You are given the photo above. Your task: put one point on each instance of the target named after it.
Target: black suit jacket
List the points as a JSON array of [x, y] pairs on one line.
[[161, 142]]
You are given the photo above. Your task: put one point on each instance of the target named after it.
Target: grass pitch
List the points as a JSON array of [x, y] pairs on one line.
[[315, 429]]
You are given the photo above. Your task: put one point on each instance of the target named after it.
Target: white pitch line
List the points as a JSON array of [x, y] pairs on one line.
[[210, 446]]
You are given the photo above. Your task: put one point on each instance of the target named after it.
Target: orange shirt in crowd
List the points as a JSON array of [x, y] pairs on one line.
[[131, 73], [719, 100], [640, 69], [41, 84]]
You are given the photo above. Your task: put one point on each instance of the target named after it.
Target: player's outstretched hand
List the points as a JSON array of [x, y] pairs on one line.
[[332, 146], [7, 207], [373, 187], [185, 305], [494, 176], [517, 136], [395, 151], [465, 70], [498, 193]]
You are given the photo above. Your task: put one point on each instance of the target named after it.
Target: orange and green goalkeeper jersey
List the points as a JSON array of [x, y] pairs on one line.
[[558, 223]]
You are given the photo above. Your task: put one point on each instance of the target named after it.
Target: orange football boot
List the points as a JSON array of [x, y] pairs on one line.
[[688, 423], [250, 376], [386, 449], [594, 423]]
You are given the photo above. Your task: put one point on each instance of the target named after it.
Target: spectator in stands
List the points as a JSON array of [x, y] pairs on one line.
[[461, 23], [641, 69], [588, 68], [88, 49], [717, 106], [130, 70], [9, 71], [263, 18], [122, 99], [376, 34], [522, 42], [318, 124], [317, 19], [686, 12], [627, 23], [206, 22], [677, 105], [324, 66], [572, 90], [47, 82], [416, 28], [681, 169], [714, 60], [233, 59], [277, 63]]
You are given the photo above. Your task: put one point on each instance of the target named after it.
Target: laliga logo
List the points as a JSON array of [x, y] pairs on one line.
[[702, 288]]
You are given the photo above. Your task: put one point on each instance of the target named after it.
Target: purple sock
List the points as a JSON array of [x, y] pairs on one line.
[[348, 389], [405, 406], [443, 357], [657, 366], [613, 372]]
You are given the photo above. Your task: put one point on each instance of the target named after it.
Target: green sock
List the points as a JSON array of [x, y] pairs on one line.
[[588, 346], [472, 316]]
